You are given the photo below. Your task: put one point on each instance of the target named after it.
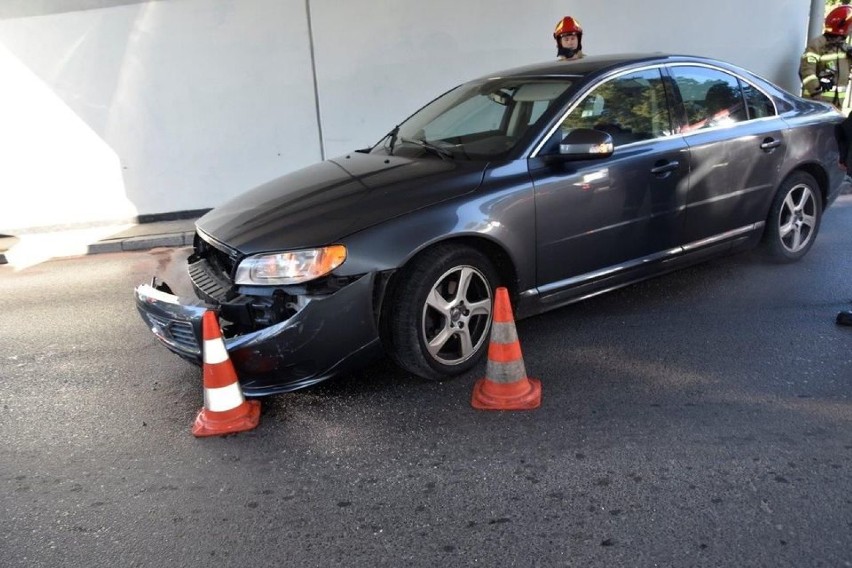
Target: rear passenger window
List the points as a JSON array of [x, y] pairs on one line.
[[711, 98], [758, 104]]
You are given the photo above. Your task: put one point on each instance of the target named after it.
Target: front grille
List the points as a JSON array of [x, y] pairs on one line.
[[179, 332], [211, 269], [210, 284]]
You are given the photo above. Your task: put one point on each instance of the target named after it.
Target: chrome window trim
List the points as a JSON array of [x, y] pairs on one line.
[[583, 96], [737, 75], [724, 126], [585, 93]]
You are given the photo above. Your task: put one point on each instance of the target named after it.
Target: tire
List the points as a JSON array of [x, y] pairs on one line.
[[437, 328], [794, 219]]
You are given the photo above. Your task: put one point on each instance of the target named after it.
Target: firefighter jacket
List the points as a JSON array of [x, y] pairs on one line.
[[824, 59]]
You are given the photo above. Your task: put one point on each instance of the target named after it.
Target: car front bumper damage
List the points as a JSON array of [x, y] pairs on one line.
[[327, 336]]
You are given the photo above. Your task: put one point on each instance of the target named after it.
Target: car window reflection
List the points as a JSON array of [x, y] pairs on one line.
[[710, 98], [630, 108]]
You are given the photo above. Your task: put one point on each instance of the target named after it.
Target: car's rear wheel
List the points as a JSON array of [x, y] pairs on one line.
[[440, 312], [794, 218]]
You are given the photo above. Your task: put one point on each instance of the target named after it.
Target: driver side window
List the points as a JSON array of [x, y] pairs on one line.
[[630, 108]]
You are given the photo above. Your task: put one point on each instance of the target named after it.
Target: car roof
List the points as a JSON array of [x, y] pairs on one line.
[[593, 64]]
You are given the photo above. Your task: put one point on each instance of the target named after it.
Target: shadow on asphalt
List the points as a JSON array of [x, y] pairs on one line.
[[385, 378]]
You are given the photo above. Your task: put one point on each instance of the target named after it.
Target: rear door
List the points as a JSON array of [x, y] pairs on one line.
[[737, 146]]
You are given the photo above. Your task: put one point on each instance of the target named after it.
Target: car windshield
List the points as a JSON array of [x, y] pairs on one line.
[[482, 120]]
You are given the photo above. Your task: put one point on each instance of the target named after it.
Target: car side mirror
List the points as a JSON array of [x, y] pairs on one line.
[[586, 143]]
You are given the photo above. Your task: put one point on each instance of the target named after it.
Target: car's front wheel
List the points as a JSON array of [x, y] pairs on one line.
[[794, 218], [439, 317]]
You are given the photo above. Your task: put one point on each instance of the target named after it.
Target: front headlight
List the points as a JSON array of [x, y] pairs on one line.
[[292, 267]]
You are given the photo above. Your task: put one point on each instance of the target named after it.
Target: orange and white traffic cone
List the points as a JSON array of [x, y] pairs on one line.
[[226, 410], [506, 385]]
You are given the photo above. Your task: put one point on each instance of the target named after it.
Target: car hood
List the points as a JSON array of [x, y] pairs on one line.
[[323, 203]]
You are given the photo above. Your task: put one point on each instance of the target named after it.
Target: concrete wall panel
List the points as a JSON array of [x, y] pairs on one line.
[[377, 62], [195, 100], [114, 108]]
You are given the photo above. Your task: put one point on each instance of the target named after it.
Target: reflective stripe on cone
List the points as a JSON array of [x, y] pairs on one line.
[[223, 398]]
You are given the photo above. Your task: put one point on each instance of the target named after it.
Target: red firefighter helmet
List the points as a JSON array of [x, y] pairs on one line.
[[839, 21], [569, 25]]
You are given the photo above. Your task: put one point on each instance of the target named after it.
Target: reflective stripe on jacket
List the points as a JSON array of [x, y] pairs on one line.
[[820, 56]]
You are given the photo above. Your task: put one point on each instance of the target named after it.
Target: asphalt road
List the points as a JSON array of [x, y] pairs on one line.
[[703, 418]]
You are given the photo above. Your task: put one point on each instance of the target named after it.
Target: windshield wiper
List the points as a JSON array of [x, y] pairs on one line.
[[392, 134], [441, 152]]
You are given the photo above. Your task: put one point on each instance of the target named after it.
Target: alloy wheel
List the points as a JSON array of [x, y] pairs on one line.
[[798, 218], [456, 316]]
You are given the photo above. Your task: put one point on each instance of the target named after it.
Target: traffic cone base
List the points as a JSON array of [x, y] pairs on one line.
[[521, 395], [505, 385], [225, 411], [211, 423]]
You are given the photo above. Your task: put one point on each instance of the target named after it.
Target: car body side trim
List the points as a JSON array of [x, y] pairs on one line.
[[659, 256], [723, 236]]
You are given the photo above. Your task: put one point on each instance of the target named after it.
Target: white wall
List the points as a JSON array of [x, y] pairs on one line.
[[116, 108], [379, 61]]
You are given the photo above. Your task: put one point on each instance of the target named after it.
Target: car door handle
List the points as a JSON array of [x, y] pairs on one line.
[[770, 144], [665, 167]]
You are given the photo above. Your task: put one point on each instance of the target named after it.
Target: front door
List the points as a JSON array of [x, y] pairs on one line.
[[596, 218]]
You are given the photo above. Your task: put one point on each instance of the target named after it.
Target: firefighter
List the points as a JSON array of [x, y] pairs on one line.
[[824, 68], [569, 39]]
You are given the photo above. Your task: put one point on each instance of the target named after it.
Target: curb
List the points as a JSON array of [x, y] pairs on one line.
[[141, 243], [107, 245]]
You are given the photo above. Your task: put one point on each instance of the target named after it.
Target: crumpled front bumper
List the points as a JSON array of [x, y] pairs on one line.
[[328, 336]]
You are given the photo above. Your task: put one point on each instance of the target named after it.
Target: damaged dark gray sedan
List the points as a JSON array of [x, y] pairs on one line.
[[559, 181]]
